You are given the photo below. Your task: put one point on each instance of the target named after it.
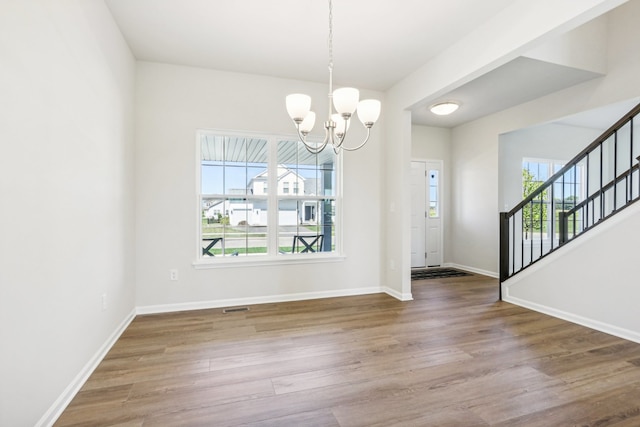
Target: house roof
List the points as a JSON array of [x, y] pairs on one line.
[[282, 172]]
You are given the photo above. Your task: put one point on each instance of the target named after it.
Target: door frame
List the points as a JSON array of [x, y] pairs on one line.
[[442, 195]]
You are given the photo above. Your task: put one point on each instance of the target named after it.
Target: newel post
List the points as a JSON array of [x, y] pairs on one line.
[[504, 249]]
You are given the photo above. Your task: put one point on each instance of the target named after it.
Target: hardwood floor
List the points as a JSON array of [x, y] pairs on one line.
[[452, 357]]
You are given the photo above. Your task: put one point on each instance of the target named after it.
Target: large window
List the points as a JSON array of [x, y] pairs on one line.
[[240, 218], [567, 191]]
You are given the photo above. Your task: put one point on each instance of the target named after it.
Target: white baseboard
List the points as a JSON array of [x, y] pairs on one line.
[[574, 318], [54, 412], [74, 387], [201, 305], [398, 295], [493, 274]]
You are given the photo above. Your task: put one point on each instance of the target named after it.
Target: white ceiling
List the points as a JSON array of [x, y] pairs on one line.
[[376, 44], [518, 81]]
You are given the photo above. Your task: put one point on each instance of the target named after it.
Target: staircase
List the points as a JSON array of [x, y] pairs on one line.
[[599, 182]]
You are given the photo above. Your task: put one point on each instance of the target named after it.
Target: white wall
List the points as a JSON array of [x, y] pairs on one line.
[[430, 143], [511, 33], [593, 281], [474, 173], [396, 212], [66, 80], [171, 103], [476, 202], [66, 189], [569, 49]]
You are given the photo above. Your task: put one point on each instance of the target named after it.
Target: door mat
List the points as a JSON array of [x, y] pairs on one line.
[[437, 273]]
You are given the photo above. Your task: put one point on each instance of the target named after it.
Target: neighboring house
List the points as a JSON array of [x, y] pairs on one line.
[[289, 183], [239, 212], [253, 212]]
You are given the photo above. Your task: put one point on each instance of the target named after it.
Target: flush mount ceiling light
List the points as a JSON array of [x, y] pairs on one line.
[[444, 108], [345, 101]]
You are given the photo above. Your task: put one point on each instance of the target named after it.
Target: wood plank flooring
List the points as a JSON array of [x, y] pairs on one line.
[[452, 357]]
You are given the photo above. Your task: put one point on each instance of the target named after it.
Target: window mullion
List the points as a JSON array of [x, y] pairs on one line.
[[272, 197], [235, 218]]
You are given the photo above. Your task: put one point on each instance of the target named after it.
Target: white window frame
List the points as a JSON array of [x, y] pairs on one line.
[[272, 257]]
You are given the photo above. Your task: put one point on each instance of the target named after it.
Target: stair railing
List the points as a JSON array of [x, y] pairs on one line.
[[596, 184]]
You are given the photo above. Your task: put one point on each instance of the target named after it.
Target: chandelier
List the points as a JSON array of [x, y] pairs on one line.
[[346, 102]]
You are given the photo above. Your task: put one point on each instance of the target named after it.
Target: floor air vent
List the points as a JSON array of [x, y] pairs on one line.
[[234, 310]]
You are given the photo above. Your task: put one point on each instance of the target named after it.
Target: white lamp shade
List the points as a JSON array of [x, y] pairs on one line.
[[340, 124], [346, 100], [298, 105], [308, 122], [369, 111]]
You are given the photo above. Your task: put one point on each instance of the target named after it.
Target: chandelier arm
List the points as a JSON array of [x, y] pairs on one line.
[[311, 149], [303, 139], [336, 140], [361, 145]]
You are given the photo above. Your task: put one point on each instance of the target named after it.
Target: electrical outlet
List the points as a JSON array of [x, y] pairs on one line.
[[392, 264], [173, 274], [104, 302]]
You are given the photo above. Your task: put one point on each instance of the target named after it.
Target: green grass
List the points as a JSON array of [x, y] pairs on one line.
[[230, 233]]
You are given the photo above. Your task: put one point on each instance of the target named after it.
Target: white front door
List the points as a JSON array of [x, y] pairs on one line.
[[426, 214]]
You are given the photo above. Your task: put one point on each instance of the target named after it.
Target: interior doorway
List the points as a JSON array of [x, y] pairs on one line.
[[426, 213]]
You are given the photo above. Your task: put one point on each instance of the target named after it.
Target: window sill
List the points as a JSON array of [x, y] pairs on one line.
[[230, 262]]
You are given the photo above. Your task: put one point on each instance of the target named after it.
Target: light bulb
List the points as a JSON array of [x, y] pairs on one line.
[[342, 125], [369, 111], [298, 105], [307, 123], [346, 100]]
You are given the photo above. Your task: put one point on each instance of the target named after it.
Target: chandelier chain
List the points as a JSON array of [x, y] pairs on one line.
[[345, 101], [330, 40]]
